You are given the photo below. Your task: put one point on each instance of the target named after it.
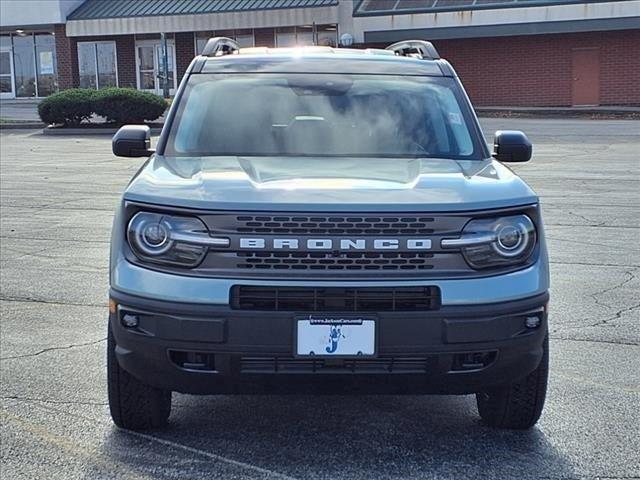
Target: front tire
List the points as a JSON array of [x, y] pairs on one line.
[[519, 405], [134, 405]]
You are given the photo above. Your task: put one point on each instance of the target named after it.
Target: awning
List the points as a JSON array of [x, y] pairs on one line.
[[117, 17]]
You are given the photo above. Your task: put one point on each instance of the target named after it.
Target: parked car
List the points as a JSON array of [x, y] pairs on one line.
[[326, 220]]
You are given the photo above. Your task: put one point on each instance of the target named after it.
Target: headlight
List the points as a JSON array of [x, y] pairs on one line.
[[170, 240], [496, 242]]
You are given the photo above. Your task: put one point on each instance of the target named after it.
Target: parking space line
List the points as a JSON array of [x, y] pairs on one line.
[[72, 448], [210, 455], [103, 460], [586, 381]]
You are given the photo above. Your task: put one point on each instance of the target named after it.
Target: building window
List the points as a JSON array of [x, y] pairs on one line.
[[47, 68], [304, 35], [97, 64], [244, 37], [28, 64], [6, 67], [286, 37], [25, 66], [87, 65], [327, 35], [201, 40]]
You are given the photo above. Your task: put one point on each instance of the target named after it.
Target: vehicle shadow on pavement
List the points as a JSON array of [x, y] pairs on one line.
[[291, 436]]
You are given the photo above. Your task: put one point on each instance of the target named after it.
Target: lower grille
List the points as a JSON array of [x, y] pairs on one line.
[[335, 299], [383, 364]]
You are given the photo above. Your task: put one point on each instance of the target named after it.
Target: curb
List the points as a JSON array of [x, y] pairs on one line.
[[87, 131], [21, 126], [551, 112]]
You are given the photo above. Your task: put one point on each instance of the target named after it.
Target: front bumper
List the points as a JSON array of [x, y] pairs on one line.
[[207, 349], [148, 283]]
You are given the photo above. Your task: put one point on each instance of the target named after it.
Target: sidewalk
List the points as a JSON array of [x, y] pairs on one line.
[[602, 109], [25, 112], [595, 112], [19, 111]]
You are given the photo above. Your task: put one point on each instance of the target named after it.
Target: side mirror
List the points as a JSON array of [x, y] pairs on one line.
[[511, 146], [132, 141]]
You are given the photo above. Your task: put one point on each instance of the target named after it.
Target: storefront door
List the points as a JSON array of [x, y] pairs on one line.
[[7, 89], [150, 63]]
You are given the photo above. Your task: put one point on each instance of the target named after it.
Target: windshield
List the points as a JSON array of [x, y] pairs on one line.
[[322, 115]]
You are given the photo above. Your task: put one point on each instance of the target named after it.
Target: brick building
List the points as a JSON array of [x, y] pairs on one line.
[[508, 52]]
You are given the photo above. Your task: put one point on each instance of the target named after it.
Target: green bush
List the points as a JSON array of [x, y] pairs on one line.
[[117, 105], [126, 105], [69, 107]]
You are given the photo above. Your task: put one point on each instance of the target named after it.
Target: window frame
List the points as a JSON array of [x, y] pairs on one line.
[[95, 51]]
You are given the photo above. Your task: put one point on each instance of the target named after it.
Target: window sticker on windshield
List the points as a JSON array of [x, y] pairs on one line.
[[455, 118]]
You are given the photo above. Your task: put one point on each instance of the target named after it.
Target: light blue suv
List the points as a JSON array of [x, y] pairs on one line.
[[326, 220]]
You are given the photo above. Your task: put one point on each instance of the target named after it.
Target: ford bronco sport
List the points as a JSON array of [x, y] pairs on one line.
[[326, 220]]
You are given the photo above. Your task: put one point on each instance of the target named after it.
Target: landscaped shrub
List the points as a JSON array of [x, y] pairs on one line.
[[116, 105], [126, 105], [69, 107]]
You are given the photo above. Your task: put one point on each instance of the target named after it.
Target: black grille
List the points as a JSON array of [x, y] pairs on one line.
[[335, 299], [329, 261], [356, 260], [382, 364], [338, 225]]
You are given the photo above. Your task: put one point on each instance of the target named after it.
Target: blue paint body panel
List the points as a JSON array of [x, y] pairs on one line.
[[332, 185]]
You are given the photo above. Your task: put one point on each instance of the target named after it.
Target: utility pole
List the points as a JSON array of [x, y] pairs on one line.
[[164, 76]]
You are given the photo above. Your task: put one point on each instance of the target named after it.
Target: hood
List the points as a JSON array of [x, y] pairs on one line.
[[327, 184]]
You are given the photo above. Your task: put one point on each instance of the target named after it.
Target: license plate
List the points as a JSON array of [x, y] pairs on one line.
[[336, 336]]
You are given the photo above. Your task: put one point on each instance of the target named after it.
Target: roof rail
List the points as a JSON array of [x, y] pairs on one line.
[[415, 48], [218, 46]]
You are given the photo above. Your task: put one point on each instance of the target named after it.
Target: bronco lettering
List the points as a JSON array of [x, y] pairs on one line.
[[341, 244]]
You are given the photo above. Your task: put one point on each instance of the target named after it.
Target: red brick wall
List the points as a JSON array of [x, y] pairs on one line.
[[535, 70], [67, 53], [185, 51], [66, 58], [126, 58], [620, 69]]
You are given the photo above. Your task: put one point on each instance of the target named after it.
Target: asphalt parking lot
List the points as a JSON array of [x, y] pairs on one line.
[[57, 199]]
